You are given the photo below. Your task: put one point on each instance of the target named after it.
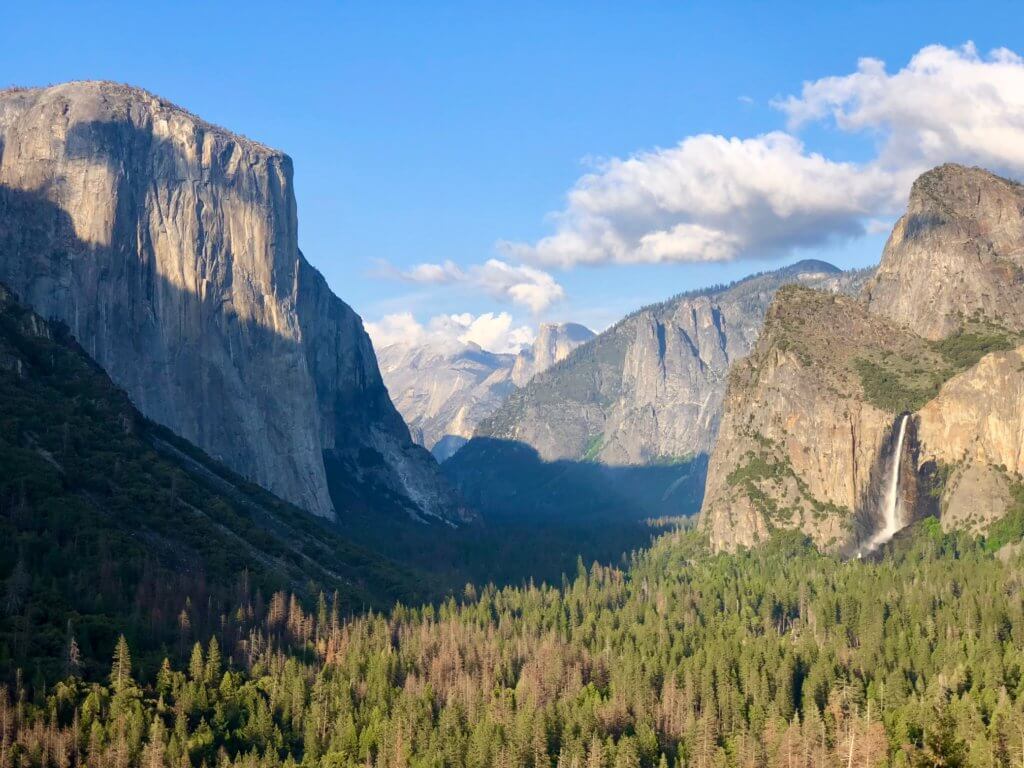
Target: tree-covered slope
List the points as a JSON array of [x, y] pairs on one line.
[[109, 523]]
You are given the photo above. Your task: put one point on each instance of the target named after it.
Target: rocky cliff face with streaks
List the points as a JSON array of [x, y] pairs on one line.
[[956, 254], [800, 444], [170, 248], [554, 343], [650, 388]]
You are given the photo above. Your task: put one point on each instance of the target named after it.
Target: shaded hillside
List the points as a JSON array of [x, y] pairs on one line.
[[510, 481], [110, 523]]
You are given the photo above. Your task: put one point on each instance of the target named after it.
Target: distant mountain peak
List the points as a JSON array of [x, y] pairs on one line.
[[444, 388], [815, 266]]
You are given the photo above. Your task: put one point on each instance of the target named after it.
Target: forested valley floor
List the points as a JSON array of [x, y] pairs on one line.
[[776, 657]]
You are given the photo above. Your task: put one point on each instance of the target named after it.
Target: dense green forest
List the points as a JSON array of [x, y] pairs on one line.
[[777, 657]]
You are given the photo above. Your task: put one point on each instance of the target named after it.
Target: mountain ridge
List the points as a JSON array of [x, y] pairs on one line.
[[630, 356]]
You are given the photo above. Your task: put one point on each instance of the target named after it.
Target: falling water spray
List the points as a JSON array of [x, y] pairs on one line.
[[891, 509]]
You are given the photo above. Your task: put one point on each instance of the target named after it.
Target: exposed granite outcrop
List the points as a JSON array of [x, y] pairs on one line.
[[444, 390], [170, 248], [810, 415], [799, 444], [554, 343], [956, 253]]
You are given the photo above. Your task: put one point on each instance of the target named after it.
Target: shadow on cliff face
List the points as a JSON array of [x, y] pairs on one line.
[[544, 515], [44, 262], [355, 411], [165, 345]]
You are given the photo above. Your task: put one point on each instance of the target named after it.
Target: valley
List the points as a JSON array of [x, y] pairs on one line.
[[774, 522]]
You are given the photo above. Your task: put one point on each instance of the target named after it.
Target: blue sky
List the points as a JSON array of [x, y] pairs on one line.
[[424, 133]]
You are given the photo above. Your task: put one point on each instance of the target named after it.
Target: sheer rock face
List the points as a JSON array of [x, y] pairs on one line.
[[979, 415], [804, 443], [169, 247], [958, 250], [975, 427], [802, 447], [799, 442], [650, 388], [444, 392]]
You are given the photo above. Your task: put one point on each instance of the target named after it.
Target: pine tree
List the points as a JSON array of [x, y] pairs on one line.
[[17, 589], [72, 654], [165, 678], [212, 669], [196, 666], [121, 669], [942, 747]]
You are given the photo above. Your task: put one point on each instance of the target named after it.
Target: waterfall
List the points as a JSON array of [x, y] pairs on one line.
[[892, 518]]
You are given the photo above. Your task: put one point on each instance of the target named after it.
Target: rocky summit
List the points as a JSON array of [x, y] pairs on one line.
[[169, 247], [958, 252], [856, 414]]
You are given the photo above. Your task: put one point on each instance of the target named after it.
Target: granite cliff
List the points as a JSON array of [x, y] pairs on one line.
[[809, 437], [554, 343], [957, 253], [169, 247]]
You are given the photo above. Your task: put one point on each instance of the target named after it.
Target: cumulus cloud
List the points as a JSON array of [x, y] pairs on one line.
[[946, 104], [520, 284], [710, 198], [714, 198], [495, 332]]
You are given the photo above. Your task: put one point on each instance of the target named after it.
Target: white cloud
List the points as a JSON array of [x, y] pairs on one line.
[[490, 331], [399, 328], [710, 198], [519, 284], [713, 198], [945, 105], [494, 332]]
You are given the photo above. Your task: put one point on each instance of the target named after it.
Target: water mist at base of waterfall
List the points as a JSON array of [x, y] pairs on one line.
[[891, 506]]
